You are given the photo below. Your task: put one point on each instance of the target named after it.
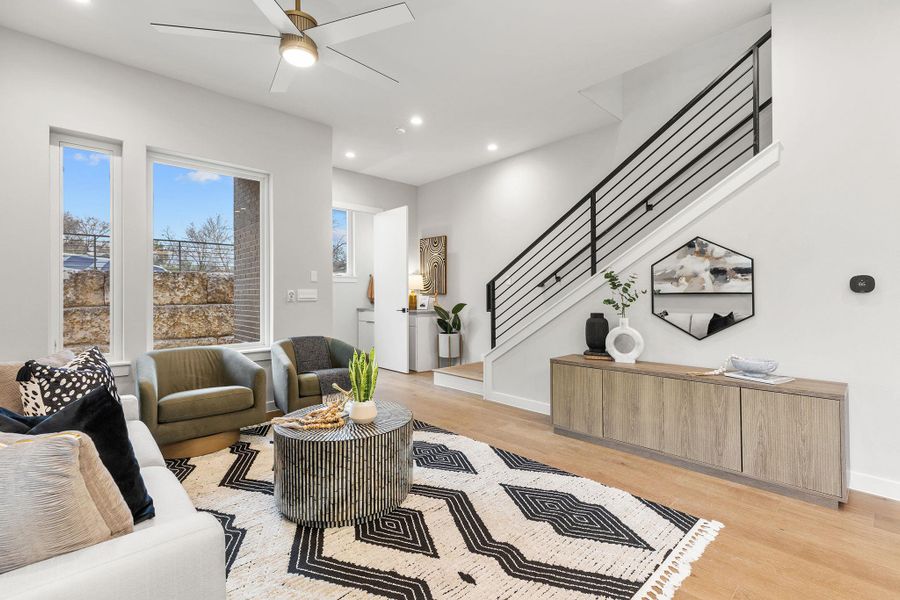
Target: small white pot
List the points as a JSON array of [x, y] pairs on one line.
[[624, 330], [448, 345], [362, 412]]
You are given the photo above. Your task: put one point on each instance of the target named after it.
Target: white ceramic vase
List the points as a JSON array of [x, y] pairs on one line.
[[448, 345], [624, 330], [362, 412]]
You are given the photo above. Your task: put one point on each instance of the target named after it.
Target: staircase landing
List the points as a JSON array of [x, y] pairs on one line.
[[466, 378]]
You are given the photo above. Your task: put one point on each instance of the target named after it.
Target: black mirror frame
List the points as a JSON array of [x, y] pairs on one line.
[[752, 287]]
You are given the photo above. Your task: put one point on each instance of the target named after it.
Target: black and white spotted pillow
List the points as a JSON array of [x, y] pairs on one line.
[[46, 390]]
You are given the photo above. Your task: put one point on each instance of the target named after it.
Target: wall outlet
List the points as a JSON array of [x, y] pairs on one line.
[[314, 276], [292, 295]]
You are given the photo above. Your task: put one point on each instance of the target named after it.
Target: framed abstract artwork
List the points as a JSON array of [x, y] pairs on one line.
[[433, 264]]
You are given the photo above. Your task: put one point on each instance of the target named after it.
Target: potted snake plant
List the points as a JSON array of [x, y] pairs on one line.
[[450, 324], [363, 377]]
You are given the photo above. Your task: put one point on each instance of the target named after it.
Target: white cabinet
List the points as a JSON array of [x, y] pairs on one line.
[[422, 340], [422, 337], [366, 329]]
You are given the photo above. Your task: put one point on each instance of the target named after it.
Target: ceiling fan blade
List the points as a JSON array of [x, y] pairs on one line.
[[276, 16], [348, 28], [222, 34], [284, 75], [353, 67]]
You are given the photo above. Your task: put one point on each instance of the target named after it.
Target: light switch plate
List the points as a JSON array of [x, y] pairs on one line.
[[314, 276], [307, 295]]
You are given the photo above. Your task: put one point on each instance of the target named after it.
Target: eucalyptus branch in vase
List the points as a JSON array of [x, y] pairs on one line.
[[624, 292]]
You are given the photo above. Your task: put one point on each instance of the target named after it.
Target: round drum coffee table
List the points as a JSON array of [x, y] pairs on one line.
[[338, 477]]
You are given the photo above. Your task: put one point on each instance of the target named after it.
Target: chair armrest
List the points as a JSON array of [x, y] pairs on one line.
[[284, 379], [183, 559], [130, 407], [341, 353], [240, 370], [146, 386]]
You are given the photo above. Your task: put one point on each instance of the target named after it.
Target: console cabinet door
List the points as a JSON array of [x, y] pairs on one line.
[[633, 409], [703, 422], [577, 399], [795, 440]]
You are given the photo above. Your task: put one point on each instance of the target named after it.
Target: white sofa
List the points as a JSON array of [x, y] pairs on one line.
[[178, 554]]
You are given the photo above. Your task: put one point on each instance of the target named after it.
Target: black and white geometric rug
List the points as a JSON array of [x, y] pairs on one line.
[[479, 523]]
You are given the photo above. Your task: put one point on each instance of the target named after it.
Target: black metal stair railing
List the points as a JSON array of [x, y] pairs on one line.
[[712, 135]]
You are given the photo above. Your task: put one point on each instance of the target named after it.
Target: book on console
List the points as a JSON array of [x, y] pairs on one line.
[[759, 377]]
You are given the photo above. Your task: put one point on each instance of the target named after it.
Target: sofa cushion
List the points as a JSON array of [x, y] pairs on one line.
[[169, 498], [10, 395], [309, 384], [56, 497], [46, 389], [205, 402], [145, 449], [100, 416]]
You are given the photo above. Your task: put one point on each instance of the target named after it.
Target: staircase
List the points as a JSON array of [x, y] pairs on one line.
[[720, 130]]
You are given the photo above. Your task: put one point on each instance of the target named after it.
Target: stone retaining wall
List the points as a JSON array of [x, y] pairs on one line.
[[189, 309]]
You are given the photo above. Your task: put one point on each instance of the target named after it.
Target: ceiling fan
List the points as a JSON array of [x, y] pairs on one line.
[[302, 41]]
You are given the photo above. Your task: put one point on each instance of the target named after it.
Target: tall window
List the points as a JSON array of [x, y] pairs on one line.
[[85, 182], [342, 242], [209, 268]]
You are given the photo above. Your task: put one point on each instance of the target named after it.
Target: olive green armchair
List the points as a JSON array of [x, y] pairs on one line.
[[188, 393], [293, 390]]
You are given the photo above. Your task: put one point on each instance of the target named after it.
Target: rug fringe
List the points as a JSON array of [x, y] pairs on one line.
[[677, 567]]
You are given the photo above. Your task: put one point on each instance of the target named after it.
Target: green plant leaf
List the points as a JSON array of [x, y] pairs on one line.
[[441, 312], [456, 324], [458, 308]]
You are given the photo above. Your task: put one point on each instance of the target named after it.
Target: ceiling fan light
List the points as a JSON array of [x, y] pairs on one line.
[[299, 51]]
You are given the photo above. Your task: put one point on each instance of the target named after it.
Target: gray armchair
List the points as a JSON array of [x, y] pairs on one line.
[[293, 390], [188, 393]]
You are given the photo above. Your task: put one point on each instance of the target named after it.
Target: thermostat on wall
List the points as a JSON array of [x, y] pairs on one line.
[[862, 284]]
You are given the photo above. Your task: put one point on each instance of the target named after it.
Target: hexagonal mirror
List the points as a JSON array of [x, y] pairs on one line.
[[703, 288]]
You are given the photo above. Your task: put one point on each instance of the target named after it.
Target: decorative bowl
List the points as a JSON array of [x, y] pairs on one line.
[[754, 365]]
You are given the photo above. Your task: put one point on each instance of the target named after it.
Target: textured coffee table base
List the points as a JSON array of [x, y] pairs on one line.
[[333, 478]]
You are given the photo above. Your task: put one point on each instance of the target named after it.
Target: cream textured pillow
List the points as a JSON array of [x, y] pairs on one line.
[[56, 497], [10, 395]]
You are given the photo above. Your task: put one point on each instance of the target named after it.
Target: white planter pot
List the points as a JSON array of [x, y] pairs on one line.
[[448, 345], [362, 412], [623, 330]]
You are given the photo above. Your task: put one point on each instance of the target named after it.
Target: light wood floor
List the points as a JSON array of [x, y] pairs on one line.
[[772, 547]]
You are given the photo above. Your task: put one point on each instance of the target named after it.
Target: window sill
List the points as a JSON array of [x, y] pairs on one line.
[[344, 279]]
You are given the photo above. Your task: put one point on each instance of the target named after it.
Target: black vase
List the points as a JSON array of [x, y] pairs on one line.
[[595, 331]]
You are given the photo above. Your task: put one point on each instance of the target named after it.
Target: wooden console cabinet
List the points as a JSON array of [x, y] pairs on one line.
[[790, 438]]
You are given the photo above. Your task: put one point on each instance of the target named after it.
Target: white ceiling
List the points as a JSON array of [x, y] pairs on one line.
[[478, 71]]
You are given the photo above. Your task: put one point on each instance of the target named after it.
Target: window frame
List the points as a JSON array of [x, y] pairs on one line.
[[59, 140], [265, 248], [350, 275]]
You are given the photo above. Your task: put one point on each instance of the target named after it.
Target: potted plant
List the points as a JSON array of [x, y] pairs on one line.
[[624, 294], [449, 324], [363, 377]]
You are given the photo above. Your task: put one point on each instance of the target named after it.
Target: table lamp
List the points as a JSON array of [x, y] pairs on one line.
[[416, 283]]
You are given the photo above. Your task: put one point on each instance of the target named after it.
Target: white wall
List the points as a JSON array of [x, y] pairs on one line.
[[357, 190], [827, 212], [46, 86], [492, 213]]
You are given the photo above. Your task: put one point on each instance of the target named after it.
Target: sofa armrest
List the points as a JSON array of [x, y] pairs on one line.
[[240, 370], [341, 353], [147, 388], [183, 559], [130, 407]]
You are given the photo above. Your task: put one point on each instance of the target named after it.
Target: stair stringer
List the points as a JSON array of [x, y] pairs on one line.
[[719, 194]]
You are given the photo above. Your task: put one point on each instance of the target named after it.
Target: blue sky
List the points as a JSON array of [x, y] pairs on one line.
[[180, 196]]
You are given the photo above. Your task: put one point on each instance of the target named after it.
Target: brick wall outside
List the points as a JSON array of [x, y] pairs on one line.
[[246, 260]]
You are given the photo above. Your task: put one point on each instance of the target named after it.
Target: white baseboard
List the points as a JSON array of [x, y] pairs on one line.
[[462, 384], [877, 486], [519, 402]]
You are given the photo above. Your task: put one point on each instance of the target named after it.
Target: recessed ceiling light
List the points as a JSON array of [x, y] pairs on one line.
[[350, 154], [416, 120], [400, 131], [492, 147], [82, 1]]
